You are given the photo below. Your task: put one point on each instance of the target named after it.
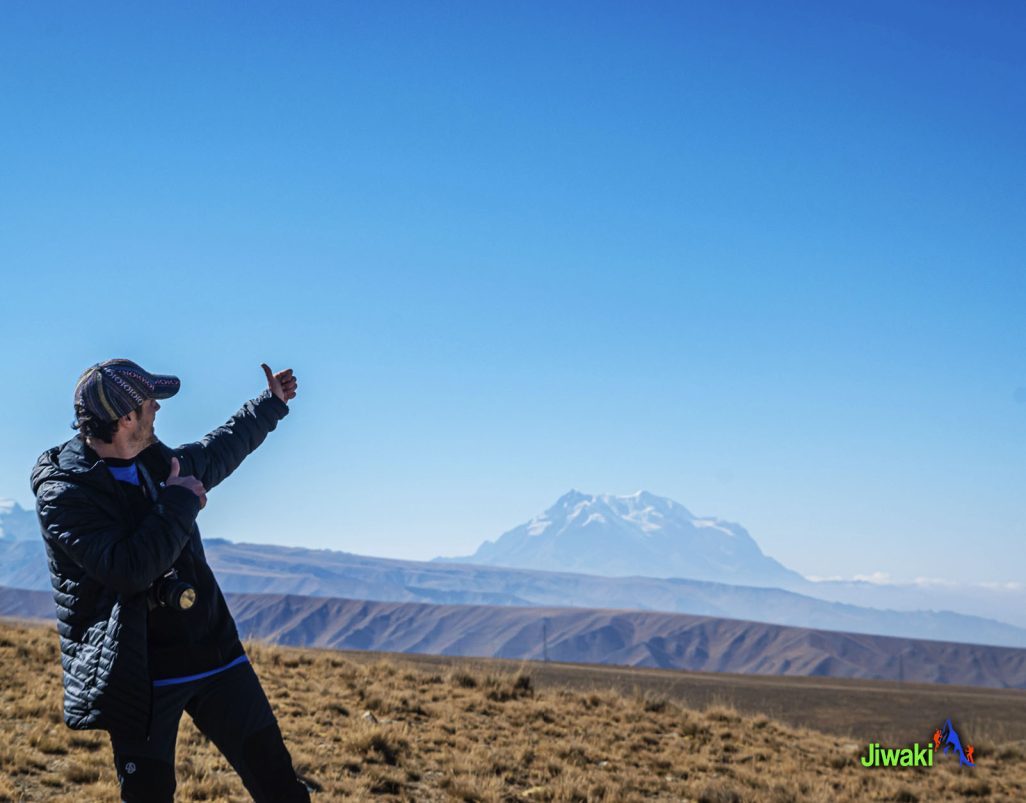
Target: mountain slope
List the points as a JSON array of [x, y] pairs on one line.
[[267, 569], [603, 636], [629, 638]]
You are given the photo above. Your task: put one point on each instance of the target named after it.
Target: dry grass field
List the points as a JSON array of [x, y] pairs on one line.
[[406, 728]]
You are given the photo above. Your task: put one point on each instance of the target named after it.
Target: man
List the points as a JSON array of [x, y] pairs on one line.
[[144, 630]]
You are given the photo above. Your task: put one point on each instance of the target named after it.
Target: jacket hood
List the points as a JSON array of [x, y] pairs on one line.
[[68, 462]]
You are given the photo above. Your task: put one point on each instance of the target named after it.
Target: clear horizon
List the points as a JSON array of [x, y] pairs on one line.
[[768, 263]]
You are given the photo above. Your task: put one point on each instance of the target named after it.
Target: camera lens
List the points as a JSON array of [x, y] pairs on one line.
[[186, 599], [170, 591]]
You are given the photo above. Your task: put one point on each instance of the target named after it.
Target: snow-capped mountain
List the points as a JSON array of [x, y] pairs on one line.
[[16, 523], [640, 534]]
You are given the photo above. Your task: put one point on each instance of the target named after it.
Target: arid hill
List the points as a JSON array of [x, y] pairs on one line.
[[581, 635]]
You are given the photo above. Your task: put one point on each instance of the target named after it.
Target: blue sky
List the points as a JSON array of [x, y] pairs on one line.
[[764, 259]]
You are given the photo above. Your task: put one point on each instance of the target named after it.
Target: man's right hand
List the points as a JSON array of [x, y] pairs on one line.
[[190, 482]]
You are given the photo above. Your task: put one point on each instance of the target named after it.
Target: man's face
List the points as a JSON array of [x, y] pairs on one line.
[[143, 434]]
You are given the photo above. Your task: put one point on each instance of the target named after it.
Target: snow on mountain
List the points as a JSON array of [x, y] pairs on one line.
[[16, 523], [641, 534]]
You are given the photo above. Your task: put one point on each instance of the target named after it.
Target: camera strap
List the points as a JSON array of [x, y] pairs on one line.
[[152, 492], [148, 483]]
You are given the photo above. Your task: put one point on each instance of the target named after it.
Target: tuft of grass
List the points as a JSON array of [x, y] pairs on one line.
[[719, 792], [462, 679], [378, 744], [77, 773], [503, 688]]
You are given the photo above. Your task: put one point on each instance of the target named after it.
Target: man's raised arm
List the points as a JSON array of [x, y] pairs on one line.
[[217, 455]]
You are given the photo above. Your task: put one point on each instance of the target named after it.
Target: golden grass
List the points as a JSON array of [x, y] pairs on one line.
[[386, 730]]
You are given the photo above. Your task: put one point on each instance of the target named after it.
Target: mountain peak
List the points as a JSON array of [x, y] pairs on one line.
[[636, 534], [16, 522], [647, 510], [572, 497]]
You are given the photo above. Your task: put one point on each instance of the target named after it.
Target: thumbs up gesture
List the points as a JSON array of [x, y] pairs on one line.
[[282, 384], [191, 483]]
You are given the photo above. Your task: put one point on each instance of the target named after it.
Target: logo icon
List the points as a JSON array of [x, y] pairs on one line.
[[949, 738], [130, 767]]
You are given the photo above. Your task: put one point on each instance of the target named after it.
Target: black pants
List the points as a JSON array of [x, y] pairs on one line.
[[231, 709]]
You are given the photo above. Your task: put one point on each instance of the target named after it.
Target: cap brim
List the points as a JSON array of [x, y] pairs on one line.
[[165, 386]]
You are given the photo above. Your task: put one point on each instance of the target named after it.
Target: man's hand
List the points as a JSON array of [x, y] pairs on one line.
[[191, 483], [282, 384]]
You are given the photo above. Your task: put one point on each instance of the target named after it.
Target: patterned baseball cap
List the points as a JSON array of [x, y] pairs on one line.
[[115, 388]]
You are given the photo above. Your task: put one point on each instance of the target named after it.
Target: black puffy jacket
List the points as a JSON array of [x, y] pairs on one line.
[[102, 562]]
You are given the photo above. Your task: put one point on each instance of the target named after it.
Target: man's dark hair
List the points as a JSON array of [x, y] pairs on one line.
[[89, 426]]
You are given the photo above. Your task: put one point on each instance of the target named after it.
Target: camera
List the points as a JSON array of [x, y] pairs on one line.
[[170, 591]]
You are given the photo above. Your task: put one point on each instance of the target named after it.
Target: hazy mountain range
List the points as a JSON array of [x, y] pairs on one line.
[[603, 535], [654, 536], [261, 568], [651, 536], [628, 638]]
